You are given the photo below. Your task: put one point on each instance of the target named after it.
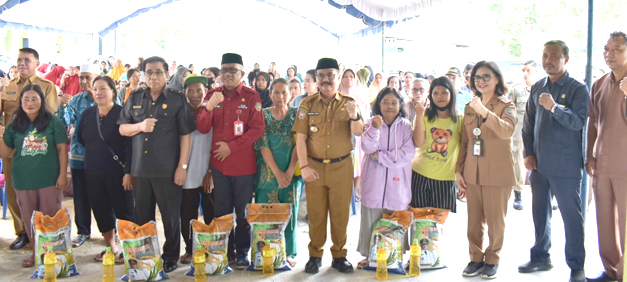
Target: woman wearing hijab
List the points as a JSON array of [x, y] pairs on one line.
[[351, 86], [42, 69], [55, 75], [375, 87], [117, 71], [70, 83], [177, 81], [261, 86]]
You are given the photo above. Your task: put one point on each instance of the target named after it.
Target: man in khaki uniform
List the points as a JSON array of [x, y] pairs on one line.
[[27, 63], [324, 127]]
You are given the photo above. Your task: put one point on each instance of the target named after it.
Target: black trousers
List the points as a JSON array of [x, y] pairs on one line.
[[234, 192], [108, 199], [189, 210], [166, 194], [82, 207]]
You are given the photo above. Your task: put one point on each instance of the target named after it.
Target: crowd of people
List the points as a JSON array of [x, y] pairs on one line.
[[159, 134]]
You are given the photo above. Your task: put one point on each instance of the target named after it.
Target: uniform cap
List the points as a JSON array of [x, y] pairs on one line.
[[232, 58], [327, 63]]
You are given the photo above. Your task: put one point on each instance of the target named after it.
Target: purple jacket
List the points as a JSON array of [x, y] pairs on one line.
[[386, 182]]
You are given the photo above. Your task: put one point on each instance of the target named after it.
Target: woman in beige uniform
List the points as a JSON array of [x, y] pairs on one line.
[[485, 171]]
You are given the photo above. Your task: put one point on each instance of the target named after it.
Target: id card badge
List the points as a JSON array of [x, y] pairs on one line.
[[476, 147], [238, 128]]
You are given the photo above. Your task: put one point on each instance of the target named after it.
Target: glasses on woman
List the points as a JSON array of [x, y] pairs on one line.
[[485, 77]]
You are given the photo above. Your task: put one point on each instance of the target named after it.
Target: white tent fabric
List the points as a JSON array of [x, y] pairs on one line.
[[338, 17]]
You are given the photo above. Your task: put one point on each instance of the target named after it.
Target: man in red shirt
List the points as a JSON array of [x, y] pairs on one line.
[[234, 113]]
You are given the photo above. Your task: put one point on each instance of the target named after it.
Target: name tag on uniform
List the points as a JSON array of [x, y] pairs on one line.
[[314, 114], [238, 128], [477, 147], [242, 107], [218, 107], [11, 92], [137, 107]]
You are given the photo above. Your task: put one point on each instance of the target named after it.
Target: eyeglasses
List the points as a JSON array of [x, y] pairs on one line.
[[330, 76], [27, 61], [485, 77], [231, 71], [416, 90], [155, 73]]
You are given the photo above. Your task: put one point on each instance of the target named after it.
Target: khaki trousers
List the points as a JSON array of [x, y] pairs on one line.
[[14, 209], [47, 200], [486, 205], [520, 172], [610, 195], [329, 195]]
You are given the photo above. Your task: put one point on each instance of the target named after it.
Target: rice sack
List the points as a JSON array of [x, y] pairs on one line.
[[427, 227], [390, 230], [142, 256], [53, 234], [268, 222], [214, 239]]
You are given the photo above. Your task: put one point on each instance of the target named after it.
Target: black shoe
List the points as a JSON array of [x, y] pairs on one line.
[[313, 265], [603, 278], [169, 265], [518, 201], [533, 266], [577, 275], [473, 269], [489, 271], [342, 265], [20, 242]]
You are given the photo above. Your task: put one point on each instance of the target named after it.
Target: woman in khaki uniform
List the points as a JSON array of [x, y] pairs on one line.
[[485, 171]]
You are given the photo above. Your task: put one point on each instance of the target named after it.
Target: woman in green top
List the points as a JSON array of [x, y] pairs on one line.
[[39, 173], [275, 181]]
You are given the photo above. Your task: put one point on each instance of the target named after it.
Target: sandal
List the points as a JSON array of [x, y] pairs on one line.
[[291, 261], [28, 262], [363, 263], [186, 258], [79, 240], [119, 258]]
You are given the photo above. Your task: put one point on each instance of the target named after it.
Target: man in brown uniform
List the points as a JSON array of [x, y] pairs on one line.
[[27, 63], [605, 160], [324, 128]]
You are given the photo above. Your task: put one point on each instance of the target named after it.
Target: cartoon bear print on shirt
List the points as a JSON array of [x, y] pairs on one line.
[[34, 144], [440, 141]]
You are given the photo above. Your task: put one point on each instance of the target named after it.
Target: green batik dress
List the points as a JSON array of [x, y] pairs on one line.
[[279, 138]]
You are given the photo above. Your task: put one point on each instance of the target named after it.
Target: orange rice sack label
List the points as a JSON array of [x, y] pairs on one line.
[[214, 239], [142, 255], [268, 222], [53, 234], [427, 228]]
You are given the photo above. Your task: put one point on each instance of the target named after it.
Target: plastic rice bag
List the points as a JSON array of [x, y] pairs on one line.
[[53, 234], [268, 222], [390, 230], [142, 256], [427, 228], [215, 241]]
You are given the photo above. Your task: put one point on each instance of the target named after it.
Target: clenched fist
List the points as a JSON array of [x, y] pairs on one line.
[[546, 100], [478, 106], [64, 99], [377, 121], [148, 125], [351, 108], [215, 99]]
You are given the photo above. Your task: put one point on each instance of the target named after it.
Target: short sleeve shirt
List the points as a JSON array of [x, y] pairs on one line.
[[36, 154], [327, 126], [156, 154]]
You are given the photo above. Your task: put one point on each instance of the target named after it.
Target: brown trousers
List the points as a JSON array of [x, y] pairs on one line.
[[520, 172], [14, 209], [486, 205], [610, 195], [46, 200], [330, 195]]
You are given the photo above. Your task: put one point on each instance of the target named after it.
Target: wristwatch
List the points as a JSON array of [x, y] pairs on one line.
[[183, 166], [553, 108], [356, 119]]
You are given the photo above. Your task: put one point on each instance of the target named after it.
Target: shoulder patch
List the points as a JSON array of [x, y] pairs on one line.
[[302, 113], [505, 99], [509, 111], [258, 106]]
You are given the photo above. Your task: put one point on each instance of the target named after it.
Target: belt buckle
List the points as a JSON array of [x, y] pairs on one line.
[[326, 161]]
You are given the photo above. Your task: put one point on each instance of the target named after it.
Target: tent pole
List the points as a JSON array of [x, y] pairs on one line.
[[383, 49], [584, 179]]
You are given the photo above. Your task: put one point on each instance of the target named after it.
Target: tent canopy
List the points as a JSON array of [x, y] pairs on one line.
[[338, 17]]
